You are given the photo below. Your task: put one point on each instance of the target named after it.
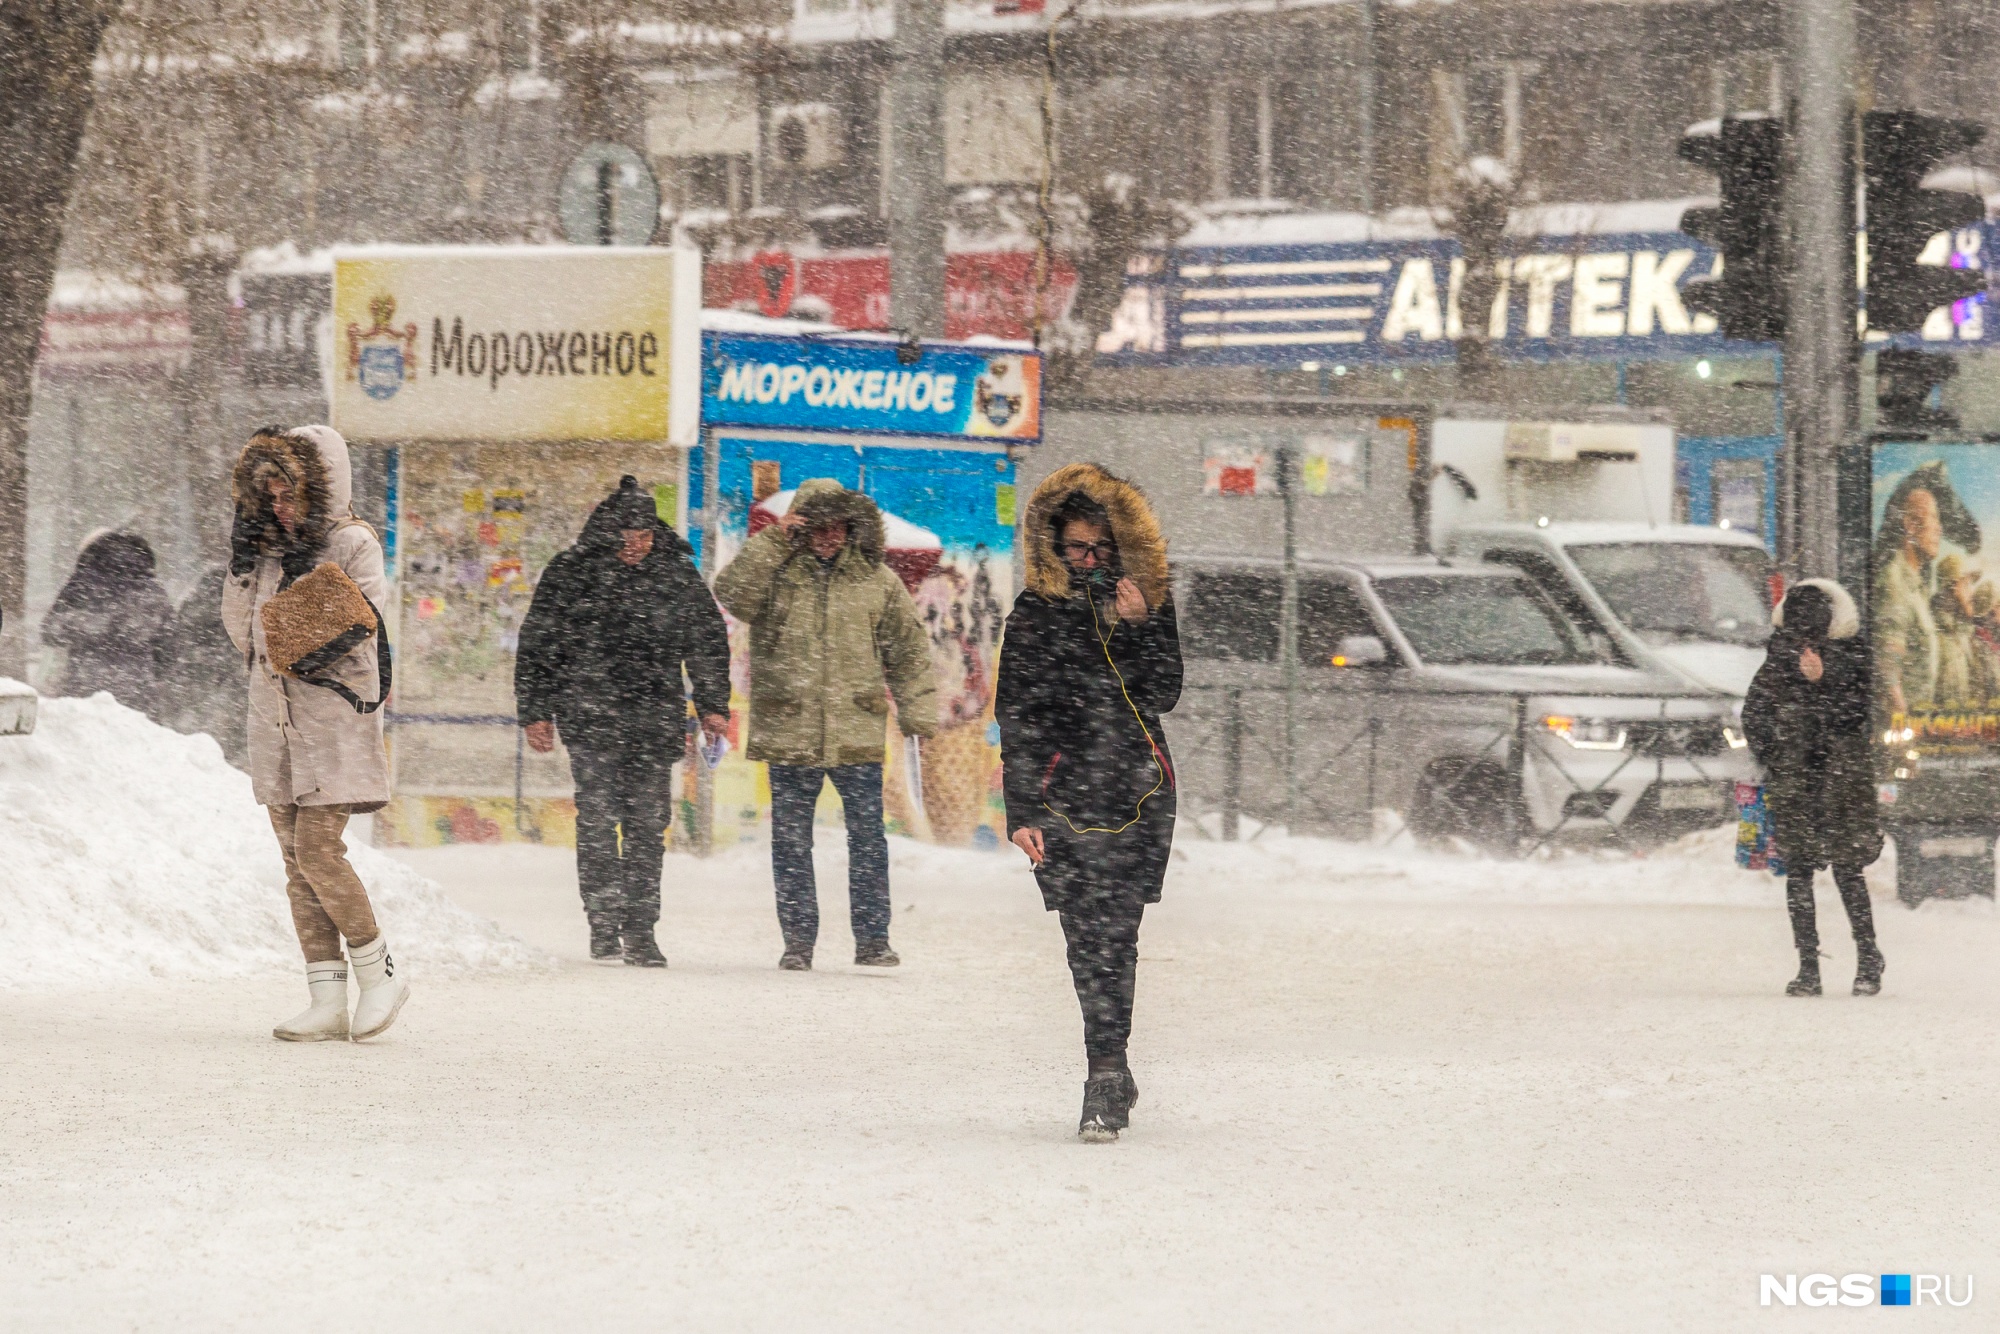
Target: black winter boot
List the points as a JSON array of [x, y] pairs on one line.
[[875, 954], [641, 950], [1807, 982], [1868, 966], [604, 946], [1106, 1107]]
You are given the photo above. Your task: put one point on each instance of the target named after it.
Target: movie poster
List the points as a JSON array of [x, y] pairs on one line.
[[1935, 626]]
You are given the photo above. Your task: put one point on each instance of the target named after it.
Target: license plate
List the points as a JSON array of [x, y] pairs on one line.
[[1691, 797]]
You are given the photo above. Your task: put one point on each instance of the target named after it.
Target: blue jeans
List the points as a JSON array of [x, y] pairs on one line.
[[795, 791]]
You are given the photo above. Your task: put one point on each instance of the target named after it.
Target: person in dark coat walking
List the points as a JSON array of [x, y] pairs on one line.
[[111, 618], [1807, 720], [1090, 660], [614, 621]]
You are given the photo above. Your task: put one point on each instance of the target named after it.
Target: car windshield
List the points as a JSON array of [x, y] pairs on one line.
[[1476, 620], [1683, 590]]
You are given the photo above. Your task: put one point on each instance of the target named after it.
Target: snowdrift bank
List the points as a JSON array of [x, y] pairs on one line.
[[129, 850]]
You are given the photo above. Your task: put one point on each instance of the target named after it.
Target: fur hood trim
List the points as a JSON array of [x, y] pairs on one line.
[[823, 500], [318, 470], [1142, 549], [1846, 616]]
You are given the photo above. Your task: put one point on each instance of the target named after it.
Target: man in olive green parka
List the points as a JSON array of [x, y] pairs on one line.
[[833, 634]]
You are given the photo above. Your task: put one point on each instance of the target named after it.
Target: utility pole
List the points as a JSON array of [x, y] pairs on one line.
[[1821, 341], [1288, 629], [914, 159]]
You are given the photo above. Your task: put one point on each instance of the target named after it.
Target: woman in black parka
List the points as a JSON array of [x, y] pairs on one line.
[[112, 618], [1090, 661], [1807, 720]]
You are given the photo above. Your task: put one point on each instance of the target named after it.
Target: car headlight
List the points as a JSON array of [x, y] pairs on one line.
[[1587, 733], [1734, 736]]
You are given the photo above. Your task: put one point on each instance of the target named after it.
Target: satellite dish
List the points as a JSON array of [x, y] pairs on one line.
[[609, 197]]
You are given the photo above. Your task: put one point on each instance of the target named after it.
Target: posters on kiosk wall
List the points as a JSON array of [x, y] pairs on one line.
[[949, 517], [1935, 613], [516, 343]]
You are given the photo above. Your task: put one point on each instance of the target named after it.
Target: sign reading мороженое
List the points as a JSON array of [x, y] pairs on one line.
[[528, 343], [871, 386]]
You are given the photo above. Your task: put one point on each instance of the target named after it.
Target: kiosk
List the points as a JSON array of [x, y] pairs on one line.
[[925, 430], [510, 387]]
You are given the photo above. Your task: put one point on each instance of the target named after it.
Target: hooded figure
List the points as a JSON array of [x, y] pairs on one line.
[[833, 635], [112, 618], [615, 620], [1090, 660], [314, 758], [1807, 718]]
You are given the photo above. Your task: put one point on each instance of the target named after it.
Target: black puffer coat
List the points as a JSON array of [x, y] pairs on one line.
[[603, 644], [1812, 737], [112, 618], [1078, 702]]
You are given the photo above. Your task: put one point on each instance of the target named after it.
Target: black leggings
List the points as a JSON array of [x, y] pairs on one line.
[[1853, 895], [1104, 963]]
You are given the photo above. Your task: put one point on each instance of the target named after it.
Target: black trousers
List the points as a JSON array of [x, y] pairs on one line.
[[1103, 939], [624, 803], [1853, 887]]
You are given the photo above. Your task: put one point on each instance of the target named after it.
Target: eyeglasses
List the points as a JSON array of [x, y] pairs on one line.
[[1076, 551]]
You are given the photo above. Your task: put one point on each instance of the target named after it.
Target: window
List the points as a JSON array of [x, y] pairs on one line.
[[992, 129], [1466, 619], [1667, 591], [1330, 611], [703, 137], [1476, 113], [1232, 617], [1544, 572]]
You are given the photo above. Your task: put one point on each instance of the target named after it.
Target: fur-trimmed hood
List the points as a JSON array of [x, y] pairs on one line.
[[823, 500], [1846, 616], [314, 459], [1142, 549]]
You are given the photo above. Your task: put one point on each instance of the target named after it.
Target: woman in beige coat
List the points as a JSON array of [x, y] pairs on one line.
[[315, 759]]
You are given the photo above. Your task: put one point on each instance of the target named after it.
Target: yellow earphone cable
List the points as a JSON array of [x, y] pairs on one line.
[[1138, 813]]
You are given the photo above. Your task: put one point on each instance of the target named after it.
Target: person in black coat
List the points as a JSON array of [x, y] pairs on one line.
[[1806, 717], [1090, 660], [201, 673], [111, 618], [615, 620]]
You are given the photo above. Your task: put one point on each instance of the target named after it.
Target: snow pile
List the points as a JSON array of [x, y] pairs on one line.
[[128, 850]]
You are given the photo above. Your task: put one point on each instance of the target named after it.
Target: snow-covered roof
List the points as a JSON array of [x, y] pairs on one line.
[[1581, 218], [715, 320], [86, 291], [877, 22], [1583, 533]]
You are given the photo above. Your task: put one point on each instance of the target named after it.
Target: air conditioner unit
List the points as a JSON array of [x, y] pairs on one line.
[[808, 136], [1572, 442]]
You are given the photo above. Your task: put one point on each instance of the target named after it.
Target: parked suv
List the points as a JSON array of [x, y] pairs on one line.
[[1697, 599], [1460, 696]]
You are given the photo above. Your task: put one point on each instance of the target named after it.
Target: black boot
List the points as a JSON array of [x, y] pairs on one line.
[[796, 959], [1868, 966], [1106, 1107], [641, 950], [875, 954], [1807, 982], [603, 941]]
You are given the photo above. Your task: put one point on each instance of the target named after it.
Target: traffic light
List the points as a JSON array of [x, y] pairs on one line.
[[1899, 149], [1746, 152]]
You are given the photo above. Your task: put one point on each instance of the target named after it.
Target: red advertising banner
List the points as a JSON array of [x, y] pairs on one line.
[[986, 292]]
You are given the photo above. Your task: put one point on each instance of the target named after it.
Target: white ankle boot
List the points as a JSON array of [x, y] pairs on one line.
[[325, 1020], [382, 992]]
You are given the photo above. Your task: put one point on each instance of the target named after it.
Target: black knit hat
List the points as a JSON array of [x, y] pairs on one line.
[[630, 508]]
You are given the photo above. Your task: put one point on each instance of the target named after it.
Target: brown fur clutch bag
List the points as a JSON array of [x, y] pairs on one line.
[[319, 619]]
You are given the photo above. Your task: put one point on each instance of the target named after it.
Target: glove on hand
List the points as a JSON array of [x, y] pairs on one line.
[[298, 562], [244, 536]]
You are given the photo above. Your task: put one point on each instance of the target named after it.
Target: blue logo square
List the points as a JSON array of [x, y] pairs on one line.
[[1895, 1289]]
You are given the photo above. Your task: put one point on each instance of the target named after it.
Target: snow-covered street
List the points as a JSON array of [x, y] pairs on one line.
[[1381, 1090]]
